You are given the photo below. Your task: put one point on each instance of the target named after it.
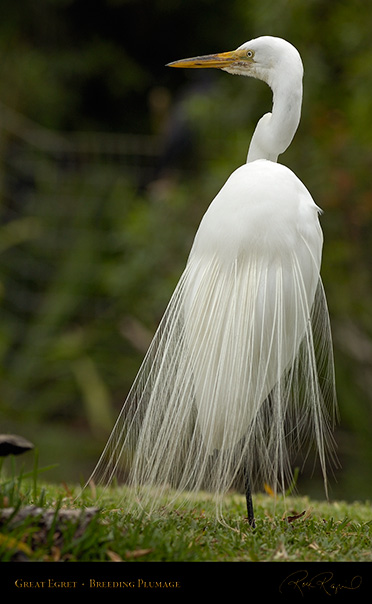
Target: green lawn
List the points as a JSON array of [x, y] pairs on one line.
[[57, 529]]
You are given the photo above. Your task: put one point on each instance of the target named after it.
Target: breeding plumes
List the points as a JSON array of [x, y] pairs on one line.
[[239, 378]]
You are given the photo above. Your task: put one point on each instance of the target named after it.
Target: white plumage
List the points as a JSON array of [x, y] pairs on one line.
[[239, 375], [252, 277]]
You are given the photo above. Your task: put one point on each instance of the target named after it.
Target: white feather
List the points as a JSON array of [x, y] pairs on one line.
[[246, 321]]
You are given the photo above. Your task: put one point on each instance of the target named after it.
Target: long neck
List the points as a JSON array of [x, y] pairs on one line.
[[275, 131]]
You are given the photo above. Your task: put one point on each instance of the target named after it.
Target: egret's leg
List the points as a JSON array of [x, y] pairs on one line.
[[248, 497]]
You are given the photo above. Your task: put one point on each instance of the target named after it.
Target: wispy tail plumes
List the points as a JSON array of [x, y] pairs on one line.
[[239, 375]]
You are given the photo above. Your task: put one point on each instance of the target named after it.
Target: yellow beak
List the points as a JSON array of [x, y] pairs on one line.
[[219, 60]]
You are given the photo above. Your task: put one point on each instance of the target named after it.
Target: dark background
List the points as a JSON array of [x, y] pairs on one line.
[[108, 160]]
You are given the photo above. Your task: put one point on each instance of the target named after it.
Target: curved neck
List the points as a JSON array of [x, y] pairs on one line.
[[275, 131]]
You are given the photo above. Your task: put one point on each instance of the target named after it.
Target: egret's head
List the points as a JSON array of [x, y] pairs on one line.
[[263, 58]]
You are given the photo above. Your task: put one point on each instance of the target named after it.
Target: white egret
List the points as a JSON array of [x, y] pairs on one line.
[[239, 376]]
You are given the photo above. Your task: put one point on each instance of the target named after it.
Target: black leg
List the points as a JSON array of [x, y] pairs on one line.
[[248, 496]]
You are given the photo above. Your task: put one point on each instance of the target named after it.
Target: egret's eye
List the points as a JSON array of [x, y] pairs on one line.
[[249, 54]]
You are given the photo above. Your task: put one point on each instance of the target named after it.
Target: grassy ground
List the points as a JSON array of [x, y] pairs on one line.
[[40, 522]]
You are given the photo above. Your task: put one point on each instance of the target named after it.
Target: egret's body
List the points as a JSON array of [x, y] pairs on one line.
[[253, 274], [240, 371]]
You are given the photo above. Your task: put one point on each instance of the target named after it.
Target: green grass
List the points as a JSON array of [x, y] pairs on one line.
[[326, 532]]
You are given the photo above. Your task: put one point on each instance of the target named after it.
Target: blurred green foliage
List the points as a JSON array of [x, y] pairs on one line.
[[108, 160]]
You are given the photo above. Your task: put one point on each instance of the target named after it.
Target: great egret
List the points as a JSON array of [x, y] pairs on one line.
[[240, 371]]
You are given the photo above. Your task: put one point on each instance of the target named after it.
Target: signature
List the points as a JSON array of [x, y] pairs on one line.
[[301, 581]]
